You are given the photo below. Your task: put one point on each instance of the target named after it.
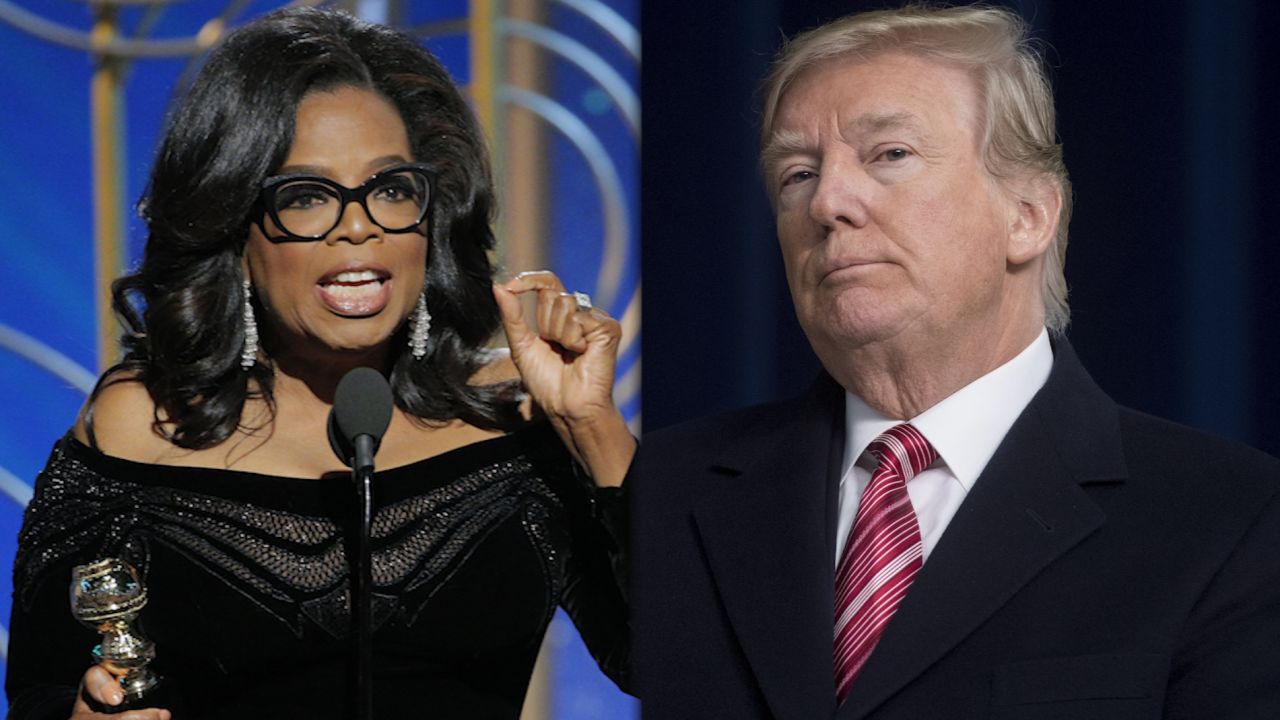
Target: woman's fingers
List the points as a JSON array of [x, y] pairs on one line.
[[534, 280], [518, 333], [561, 317], [546, 287], [104, 689], [547, 299], [145, 714], [577, 327], [102, 686], [562, 325]]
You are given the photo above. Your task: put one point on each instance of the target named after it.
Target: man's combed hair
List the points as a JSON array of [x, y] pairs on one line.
[[1019, 135], [182, 307]]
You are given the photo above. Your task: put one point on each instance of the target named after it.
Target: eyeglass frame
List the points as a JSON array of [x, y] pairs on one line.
[[346, 196]]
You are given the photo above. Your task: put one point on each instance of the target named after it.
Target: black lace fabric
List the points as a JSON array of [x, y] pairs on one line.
[[248, 580]]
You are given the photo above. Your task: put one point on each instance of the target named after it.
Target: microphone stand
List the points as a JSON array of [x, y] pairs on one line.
[[361, 413], [362, 578]]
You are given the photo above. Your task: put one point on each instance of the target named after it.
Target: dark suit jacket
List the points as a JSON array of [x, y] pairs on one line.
[[1107, 564]]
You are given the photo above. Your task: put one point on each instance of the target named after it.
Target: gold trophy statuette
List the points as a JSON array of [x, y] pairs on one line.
[[107, 595]]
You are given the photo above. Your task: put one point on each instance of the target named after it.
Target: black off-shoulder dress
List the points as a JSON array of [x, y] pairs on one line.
[[247, 576]]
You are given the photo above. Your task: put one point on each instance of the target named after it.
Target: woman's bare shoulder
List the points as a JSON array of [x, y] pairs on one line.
[[123, 420]]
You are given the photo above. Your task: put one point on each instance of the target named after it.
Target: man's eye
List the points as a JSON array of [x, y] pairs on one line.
[[895, 154], [799, 176]]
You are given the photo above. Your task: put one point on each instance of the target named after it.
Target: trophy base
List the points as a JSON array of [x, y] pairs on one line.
[[141, 690], [138, 684]]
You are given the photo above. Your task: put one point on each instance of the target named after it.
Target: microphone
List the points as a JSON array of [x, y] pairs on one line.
[[362, 407]]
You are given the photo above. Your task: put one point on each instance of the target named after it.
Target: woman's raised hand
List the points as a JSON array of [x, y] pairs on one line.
[[568, 368], [104, 688]]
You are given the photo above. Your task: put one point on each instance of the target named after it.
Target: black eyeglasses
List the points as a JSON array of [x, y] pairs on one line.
[[306, 207]]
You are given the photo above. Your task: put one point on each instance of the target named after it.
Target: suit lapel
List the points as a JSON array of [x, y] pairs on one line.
[[1026, 510], [762, 517]]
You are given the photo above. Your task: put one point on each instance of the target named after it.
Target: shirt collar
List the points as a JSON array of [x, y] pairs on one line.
[[967, 426]]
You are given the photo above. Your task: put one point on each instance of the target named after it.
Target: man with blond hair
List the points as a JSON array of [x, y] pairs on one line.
[[955, 522]]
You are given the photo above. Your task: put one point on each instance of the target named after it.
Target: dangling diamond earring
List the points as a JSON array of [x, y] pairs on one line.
[[419, 324], [249, 353]]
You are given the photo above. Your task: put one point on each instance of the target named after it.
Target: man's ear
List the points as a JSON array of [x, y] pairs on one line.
[[1033, 225]]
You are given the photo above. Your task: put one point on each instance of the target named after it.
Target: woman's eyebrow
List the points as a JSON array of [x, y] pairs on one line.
[[323, 171]]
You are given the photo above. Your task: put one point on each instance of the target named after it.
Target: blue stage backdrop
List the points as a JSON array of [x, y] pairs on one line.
[[554, 81]]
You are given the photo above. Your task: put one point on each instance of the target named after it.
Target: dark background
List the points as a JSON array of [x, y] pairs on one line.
[[1166, 113]]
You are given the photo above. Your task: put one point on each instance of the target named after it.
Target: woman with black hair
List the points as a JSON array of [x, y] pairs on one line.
[[321, 201]]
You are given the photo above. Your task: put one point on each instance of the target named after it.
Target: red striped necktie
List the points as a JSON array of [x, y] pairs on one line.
[[883, 552]]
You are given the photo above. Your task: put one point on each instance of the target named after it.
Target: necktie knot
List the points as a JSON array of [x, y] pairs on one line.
[[904, 449]]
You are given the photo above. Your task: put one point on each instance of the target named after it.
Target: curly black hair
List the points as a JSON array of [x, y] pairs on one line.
[[182, 307]]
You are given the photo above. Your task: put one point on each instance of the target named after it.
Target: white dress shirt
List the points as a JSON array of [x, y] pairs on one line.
[[965, 429]]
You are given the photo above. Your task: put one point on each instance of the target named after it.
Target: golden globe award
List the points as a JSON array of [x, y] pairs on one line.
[[107, 595]]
